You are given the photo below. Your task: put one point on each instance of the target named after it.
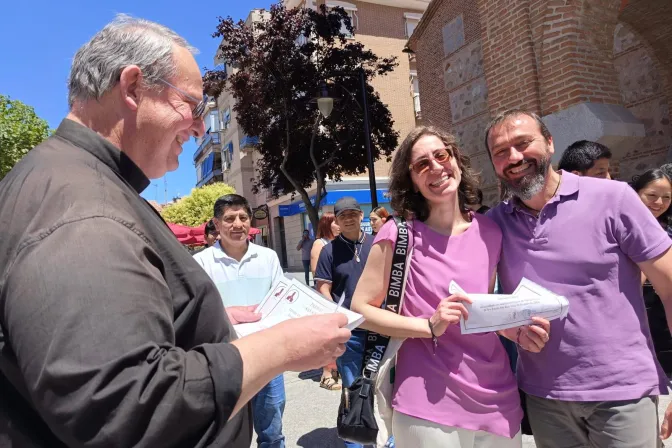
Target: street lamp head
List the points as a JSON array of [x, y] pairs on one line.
[[325, 105]]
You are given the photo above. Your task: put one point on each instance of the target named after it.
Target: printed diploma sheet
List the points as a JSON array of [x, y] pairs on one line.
[[289, 299], [492, 312]]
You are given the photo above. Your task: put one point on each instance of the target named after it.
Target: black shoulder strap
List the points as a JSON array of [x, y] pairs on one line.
[[376, 344]]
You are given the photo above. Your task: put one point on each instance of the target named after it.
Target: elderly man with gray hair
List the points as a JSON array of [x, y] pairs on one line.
[[111, 335]]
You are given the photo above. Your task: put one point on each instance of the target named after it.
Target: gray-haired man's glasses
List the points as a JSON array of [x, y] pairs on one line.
[[198, 111]]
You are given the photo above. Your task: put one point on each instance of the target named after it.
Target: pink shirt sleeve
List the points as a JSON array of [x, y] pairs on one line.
[[387, 233]]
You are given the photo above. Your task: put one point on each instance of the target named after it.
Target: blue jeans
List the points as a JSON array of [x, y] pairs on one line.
[[350, 364], [267, 409], [306, 270]]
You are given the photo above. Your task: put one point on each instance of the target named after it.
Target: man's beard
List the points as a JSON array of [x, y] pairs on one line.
[[526, 187]]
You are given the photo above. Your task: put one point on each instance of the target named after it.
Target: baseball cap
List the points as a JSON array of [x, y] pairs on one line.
[[346, 203]]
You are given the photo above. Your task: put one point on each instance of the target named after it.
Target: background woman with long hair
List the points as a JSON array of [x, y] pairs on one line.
[[378, 217], [327, 230], [654, 188]]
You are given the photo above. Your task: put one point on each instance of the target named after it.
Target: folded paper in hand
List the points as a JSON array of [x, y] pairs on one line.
[[289, 299], [491, 312]]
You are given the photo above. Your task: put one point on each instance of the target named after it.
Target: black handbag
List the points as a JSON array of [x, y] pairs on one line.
[[356, 420]]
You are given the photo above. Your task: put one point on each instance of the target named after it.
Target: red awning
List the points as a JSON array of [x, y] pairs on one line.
[[189, 236], [195, 236]]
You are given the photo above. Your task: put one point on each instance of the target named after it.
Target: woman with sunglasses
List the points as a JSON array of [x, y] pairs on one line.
[[654, 188], [450, 390]]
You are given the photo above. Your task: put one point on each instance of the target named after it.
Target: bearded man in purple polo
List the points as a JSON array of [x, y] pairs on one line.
[[597, 381]]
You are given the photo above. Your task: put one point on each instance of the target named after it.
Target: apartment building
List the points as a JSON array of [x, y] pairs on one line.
[[384, 27], [226, 154]]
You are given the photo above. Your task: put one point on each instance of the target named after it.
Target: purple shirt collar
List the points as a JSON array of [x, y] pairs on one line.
[[568, 186]]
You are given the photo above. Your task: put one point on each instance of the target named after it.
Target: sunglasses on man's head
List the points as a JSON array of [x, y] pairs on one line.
[[423, 164]]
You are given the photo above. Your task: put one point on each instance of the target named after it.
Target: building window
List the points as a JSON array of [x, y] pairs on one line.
[[227, 156], [212, 123], [350, 9], [412, 20], [226, 118]]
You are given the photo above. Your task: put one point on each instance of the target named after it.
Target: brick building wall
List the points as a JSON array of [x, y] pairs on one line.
[[453, 88], [593, 69], [643, 92], [651, 21]]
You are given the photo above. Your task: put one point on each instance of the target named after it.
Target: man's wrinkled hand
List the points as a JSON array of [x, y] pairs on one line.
[[533, 338], [312, 341], [666, 427], [242, 314]]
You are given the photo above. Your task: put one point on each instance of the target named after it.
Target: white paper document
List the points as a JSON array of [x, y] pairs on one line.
[[492, 312], [289, 299]]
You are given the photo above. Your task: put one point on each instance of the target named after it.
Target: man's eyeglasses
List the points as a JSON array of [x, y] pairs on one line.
[[198, 111], [423, 164]]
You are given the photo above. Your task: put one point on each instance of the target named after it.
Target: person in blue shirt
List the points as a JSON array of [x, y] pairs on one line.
[[338, 270]]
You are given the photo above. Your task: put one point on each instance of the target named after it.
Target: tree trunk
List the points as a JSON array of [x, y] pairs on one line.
[[311, 209]]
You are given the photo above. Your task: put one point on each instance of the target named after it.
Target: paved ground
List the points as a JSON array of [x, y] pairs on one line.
[[310, 413]]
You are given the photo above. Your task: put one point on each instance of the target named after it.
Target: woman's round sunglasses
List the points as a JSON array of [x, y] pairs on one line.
[[423, 164]]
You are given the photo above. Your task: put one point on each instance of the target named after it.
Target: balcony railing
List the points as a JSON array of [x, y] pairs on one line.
[[210, 138], [248, 142], [209, 177], [209, 168]]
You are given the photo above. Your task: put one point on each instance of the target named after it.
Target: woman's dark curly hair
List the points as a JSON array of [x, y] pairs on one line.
[[403, 197], [640, 182]]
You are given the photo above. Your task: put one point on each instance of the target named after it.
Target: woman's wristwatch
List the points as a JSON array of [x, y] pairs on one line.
[[435, 340]]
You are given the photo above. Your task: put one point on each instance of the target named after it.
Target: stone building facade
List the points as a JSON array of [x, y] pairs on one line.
[[593, 69]]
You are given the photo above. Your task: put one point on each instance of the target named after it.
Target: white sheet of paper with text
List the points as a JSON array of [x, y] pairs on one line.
[[492, 312], [290, 299]]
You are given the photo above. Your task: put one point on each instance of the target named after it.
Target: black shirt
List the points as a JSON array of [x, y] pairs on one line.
[[660, 331], [111, 335], [337, 265]]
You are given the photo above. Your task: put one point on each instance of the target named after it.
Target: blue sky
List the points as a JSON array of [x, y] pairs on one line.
[[39, 38]]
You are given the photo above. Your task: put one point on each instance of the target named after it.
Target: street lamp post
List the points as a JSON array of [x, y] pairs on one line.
[[367, 142], [325, 104]]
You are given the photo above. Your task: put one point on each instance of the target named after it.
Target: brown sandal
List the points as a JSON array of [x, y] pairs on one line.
[[329, 383]]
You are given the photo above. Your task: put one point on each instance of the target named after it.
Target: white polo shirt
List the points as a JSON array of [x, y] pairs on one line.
[[245, 282]]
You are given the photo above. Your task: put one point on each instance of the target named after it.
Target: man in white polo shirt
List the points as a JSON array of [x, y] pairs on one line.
[[243, 273]]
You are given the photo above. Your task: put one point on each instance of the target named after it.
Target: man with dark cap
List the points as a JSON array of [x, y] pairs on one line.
[[338, 270]]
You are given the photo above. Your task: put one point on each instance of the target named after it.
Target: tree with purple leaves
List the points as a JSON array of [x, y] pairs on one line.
[[276, 67]]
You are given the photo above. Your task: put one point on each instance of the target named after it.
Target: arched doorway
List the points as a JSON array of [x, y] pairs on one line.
[[643, 61]]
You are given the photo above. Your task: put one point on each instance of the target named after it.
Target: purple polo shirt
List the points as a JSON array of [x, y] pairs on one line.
[[585, 246]]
